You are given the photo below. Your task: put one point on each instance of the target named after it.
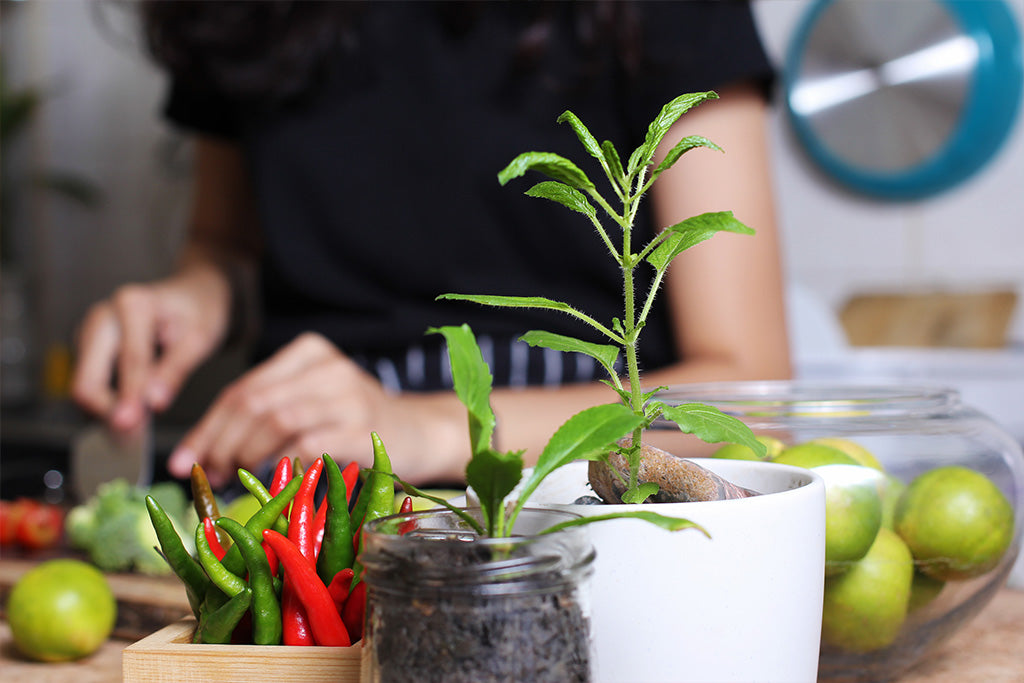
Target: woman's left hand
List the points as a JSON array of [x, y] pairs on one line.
[[309, 399]]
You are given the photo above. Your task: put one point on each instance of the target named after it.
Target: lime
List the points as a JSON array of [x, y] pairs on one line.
[[890, 489], [242, 508], [853, 506], [865, 607], [736, 451], [61, 610], [852, 449], [956, 521]]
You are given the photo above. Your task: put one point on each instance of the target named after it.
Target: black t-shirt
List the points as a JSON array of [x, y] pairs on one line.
[[380, 192]]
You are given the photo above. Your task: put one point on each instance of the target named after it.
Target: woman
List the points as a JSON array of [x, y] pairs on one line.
[[346, 157]]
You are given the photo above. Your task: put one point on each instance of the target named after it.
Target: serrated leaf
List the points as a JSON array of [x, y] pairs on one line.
[[611, 156], [661, 124], [625, 395], [563, 194], [472, 381], [552, 165], [586, 139], [641, 493], [493, 475], [584, 436], [605, 354], [681, 148], [511, 301], [693, 231], [711, 425]]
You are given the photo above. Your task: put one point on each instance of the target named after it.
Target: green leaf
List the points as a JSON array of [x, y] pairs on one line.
[[605, 354], [552, 165], [443, 502], [693, 231], [472, 380], [661, 124], [493, 475], [711, 425], [641, 493], [667, 523], [564, 195], [682, 147], [532, 302], [611, 156], [586, 139], [584, 436]]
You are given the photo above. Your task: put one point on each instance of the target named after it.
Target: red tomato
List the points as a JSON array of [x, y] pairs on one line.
[[11, 514], [41, 526]]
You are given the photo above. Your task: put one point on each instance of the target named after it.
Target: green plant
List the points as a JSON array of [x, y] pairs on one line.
[[594, 432]]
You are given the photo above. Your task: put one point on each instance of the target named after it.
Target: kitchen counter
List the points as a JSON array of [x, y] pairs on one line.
[[990, 649]]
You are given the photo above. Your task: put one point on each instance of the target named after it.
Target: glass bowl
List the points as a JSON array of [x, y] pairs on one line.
[[949, 484]]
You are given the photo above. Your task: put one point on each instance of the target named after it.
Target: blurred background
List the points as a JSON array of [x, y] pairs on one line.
[[95, 190]]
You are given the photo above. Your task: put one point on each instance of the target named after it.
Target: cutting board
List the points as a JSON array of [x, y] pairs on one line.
[[145, 604]]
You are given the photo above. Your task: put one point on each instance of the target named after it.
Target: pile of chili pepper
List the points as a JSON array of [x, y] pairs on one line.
[[290, 574]]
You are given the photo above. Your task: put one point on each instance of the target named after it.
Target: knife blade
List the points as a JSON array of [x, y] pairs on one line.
[[98, 454]]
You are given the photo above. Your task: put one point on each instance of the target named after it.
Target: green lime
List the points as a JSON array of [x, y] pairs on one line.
[[890, 489], [956, 521], [736, 451], [61, 610], [853, 506], [865, 607], [242, 508], [852, 449]]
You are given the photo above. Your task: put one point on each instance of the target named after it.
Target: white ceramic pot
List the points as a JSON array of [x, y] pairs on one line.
[[743, 605]]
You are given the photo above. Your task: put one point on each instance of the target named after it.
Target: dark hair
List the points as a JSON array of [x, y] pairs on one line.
[[276, 51]]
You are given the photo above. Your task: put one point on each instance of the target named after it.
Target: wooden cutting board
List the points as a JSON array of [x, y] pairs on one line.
[[145, 604]]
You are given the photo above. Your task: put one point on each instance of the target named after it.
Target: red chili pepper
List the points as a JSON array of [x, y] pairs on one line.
[[325, 622], [319, 525], [294, 620], [210, 529], [354, 611], [282, 475], [340, 586], [409, 524], [351, 475], [300, 524]]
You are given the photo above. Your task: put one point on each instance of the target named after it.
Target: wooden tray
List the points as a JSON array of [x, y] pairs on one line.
[[170, 655]]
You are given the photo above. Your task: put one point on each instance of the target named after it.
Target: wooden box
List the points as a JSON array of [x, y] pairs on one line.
[[170, 655]]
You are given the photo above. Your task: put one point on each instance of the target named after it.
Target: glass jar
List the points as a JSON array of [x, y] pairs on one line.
[[950, 490], [444, 604]]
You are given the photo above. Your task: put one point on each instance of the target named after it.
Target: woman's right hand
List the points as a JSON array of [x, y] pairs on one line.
[[136, 348]]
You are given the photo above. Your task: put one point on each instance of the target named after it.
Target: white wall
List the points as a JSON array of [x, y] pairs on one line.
[[838, 244]]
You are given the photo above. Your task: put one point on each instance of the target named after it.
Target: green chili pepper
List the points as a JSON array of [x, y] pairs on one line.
[[218, 625], [253, 484], [228, 582], [181, 562], [266, 610], [262, 519], [382, 486], [358, 510], [336, 551]]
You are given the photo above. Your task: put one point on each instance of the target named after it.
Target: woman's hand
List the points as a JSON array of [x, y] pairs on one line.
[[309, 399], [136, 349]]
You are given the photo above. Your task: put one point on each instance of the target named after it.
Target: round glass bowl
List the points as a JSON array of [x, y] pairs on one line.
[[941, 536]]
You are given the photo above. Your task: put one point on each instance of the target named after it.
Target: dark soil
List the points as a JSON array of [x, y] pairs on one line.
[[449, 633]]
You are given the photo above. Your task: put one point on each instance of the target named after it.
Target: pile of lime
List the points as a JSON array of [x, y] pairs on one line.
[[890, 547]]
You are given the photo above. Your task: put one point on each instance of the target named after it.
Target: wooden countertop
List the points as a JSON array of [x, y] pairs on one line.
[[990, 649]]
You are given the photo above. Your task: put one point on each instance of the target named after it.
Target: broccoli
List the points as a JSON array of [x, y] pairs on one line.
[[114, 529]]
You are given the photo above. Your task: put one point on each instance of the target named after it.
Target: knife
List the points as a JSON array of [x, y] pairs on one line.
[[98, 454]]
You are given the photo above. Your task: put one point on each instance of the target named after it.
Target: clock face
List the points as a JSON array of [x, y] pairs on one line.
[[904, 98]]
